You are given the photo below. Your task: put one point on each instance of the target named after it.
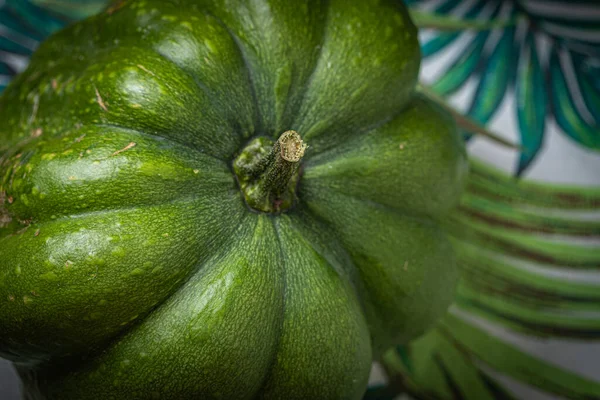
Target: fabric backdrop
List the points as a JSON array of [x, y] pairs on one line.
[[523, 79]]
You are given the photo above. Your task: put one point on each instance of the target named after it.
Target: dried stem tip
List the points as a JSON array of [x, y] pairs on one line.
[[291, 146]]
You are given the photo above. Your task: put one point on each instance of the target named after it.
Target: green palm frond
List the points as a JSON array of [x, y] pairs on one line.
[[443, 22], [464, 122], [565, 110], [531, 102], [73, 9], [539, 85], [457, 350]]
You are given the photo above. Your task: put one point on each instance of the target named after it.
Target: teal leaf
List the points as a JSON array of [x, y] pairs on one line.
[[442, 40], [426, 19], [12, 21], [561, 12], [590, 89], [462, 68], [495, 79], [530, 96], [411, 3], [72, 9], [12, 46], [446, 6], [35, 18], [14, 40], [436, 44], [581, 33], [564, 109]]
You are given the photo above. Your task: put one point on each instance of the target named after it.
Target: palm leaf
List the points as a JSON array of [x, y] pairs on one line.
[[520, 311], [463, 121], [498, 73], [72, 9], [429, 20], [532, 220], [508, 296], [460, 371], [563, 106], [436, 5], [470, 349], [436, 44], [530, 96], [552, 285], [15, 42], [11, 20], [462, 68], [442, 40], [505, 358], [514, 268], [427, 378], [536, 248], [490, 183], [587, 34], [452, 357], [35, 18], [588, 78]]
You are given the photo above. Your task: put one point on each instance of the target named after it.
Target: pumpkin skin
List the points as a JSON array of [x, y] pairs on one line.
[[130, 264]]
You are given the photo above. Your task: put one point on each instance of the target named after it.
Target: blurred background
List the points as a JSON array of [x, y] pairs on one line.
[[522, 79]]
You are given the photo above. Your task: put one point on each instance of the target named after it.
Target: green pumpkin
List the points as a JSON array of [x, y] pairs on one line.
[[165, 233]]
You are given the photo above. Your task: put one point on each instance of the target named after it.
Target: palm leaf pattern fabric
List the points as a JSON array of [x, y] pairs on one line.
[[526, 319], [25, 23], [543, 52], [525, 323]]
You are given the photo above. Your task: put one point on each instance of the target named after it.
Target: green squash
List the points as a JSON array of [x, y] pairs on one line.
[[161, 237]]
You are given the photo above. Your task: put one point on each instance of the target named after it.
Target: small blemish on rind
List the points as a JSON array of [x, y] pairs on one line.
[[129, 146], [99, 100], [145, 69]]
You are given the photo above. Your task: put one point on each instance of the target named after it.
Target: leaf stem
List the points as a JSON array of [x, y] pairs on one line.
[[440, 22], [464, 121]]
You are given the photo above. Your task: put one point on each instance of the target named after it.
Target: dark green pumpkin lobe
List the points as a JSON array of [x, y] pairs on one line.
[[268, 172]]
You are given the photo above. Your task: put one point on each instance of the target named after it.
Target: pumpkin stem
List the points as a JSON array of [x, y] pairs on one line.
[[268, 178], [283, 163]]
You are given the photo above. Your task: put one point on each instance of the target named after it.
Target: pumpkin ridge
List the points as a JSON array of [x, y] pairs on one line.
[[165, 174], [198, 81], [204, 89], [319, 323], [248, 71], [127, 343], [310, 78], [273, 361], [144, 133], [416, 216], [161, 278]]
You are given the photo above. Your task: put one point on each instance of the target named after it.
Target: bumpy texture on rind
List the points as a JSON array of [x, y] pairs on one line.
[[126, 250]]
